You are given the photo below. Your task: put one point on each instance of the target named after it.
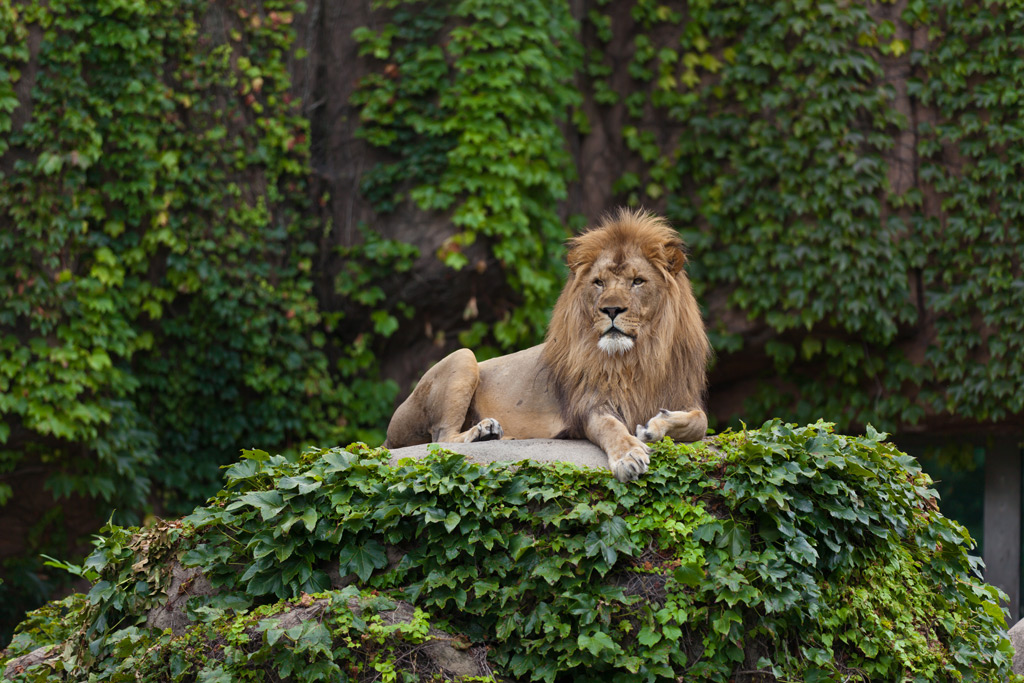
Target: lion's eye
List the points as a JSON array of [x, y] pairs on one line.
[[599, 282], [637, 281]]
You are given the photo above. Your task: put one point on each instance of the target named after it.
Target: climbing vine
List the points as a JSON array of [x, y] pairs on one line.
[[974, 249], [157, 259], [472, 112], [786, 134]]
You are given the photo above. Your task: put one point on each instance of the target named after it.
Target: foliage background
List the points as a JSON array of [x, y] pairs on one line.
[[239, 224]]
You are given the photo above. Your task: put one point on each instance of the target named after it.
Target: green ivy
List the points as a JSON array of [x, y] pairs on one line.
[[795, 552], [13, 55], [778, 178], [972, 265], [472, 111], [165, 302], [157, 259], [348, 640]]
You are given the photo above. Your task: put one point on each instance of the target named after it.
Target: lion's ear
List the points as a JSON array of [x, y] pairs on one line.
[[572, 258], [675, 255], [576, 255]]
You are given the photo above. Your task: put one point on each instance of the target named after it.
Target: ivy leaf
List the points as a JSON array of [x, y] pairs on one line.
[[611, 536], [857, 468], [733, 538], [452, 521], [723, 622], [432, 515], [303, 484], [814, 675], [339, 461], [689, 574], [551, 569], [205, 555], [265, 583], [596, 642], [649, 636], [707, 531], [518, 545], [993, 610], [362, 559], [802, 551], [269, 503], [49, 163], [309, 518]]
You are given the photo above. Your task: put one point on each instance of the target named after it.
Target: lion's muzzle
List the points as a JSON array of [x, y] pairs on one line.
[[615, 341]]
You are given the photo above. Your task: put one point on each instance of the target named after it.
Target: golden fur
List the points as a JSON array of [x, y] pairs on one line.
[[626, 346]]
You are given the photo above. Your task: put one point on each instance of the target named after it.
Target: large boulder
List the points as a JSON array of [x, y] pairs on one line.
[[783, 553], [1016, 635]]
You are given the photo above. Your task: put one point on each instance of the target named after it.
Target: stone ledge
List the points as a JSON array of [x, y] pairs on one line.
[[578, 452]]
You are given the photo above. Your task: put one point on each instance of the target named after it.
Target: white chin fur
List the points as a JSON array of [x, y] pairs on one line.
[[613, 344]]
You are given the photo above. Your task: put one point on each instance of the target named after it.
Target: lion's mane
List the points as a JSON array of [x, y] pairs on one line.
[[665, 369]]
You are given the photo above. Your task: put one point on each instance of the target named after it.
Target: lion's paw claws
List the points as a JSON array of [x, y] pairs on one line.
[[631, 465], [487, 430]]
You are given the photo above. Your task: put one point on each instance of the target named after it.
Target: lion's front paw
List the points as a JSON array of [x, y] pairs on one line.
[[646, 435], [655, 428], [486, 430], [631, 465]]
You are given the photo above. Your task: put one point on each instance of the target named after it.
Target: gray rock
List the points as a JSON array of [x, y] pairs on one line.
[[1017, 640], [442, 654], [40, 655], [578, 452], [185, 583]]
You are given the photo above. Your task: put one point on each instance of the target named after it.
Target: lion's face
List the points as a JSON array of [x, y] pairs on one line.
[[621, 293], [626, 333]]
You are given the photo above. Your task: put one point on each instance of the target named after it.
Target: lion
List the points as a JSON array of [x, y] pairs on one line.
[[626, 345]]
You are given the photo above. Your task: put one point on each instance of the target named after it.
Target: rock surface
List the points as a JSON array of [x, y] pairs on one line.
[[444, 655], [1017, 640], [37, 656], [185, 583], [578, 452]]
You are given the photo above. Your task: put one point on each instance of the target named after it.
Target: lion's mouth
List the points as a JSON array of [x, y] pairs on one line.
[[614, 341]]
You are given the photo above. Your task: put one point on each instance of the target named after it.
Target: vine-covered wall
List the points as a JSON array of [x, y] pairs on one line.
[[468, 103], [846, 173], [253, 224], [843, 172], [157, 273]]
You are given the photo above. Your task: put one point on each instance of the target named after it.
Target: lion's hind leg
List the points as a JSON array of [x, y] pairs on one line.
[[678, 425], [438, 407]]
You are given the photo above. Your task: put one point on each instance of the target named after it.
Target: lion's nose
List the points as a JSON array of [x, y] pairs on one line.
[[612, 311]]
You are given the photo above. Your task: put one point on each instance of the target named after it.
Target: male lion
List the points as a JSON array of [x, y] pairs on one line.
[[626, 345]]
